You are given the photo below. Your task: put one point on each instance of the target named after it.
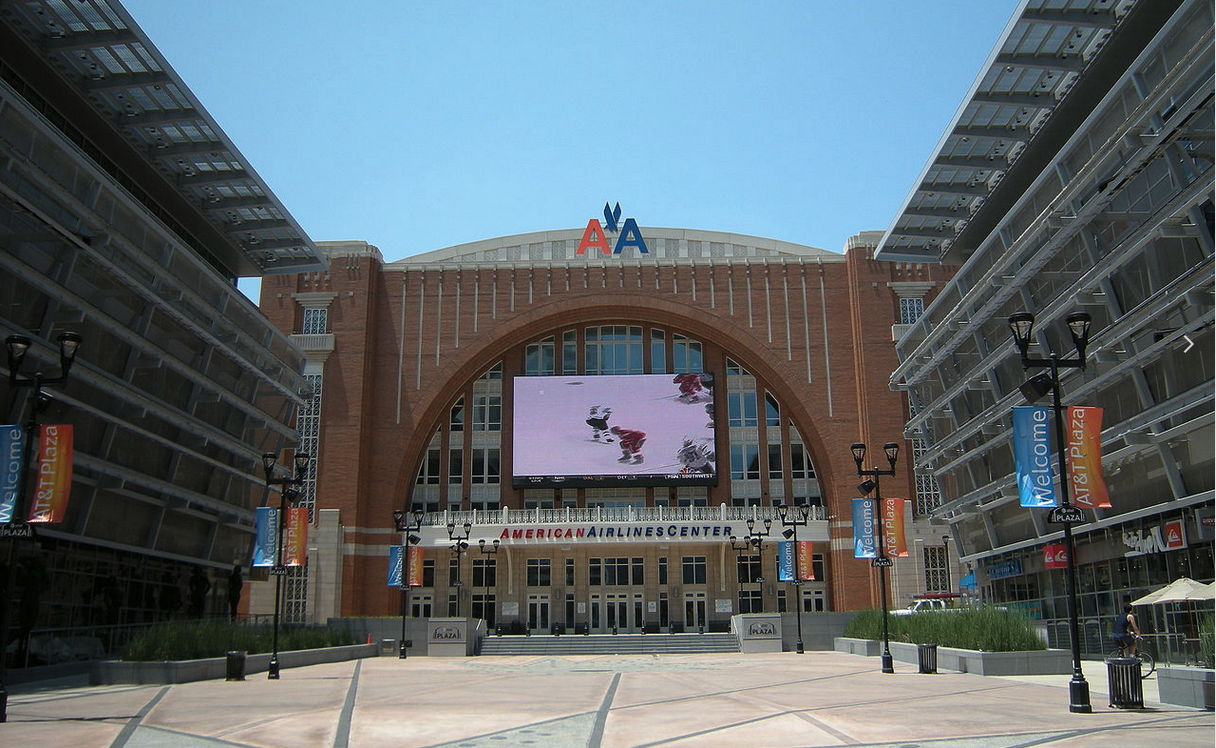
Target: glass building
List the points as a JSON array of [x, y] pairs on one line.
[[1076, 177]]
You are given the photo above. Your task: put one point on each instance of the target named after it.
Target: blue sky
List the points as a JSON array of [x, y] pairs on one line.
[[421, 125]]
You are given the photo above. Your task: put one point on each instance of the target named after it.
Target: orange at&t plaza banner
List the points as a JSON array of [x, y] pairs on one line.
[[54, 483], [295, 536], [894, 537], [1085, 483]]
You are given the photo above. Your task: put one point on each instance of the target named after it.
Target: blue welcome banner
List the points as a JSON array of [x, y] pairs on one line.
[[266, 533], [12, 448], [1032, 456], [865, 528], [785, 561], [395, 558]]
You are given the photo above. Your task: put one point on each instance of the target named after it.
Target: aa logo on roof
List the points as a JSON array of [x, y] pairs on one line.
[[627, 234]]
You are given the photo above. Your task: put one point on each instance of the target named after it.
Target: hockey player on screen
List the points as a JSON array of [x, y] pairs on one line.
[[694, 387], [597, 419], [696, 457], [631, 444]]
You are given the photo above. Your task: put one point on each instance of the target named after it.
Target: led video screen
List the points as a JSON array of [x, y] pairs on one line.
[[601, 431]]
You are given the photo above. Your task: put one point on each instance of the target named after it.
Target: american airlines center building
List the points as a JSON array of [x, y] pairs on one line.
[[605, 408]]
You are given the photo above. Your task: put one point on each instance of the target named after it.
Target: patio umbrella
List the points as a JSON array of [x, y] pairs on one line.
[[1180, 590]]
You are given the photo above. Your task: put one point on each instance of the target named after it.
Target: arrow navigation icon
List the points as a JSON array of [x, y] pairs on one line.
[[1189, 343]]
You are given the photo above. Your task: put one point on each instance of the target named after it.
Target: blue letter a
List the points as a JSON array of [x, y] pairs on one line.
[[630, 235]]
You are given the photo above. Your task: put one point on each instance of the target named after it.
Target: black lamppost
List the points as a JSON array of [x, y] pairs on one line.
[[411, 538], [489, 549], [802, 512], [460, 544], [946, 560], [752, 545], [1021, 325], [871, 483], [756, 538], [289, 493], [17, 346]]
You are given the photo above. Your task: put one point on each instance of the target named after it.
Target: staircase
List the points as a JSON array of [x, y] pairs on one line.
[[608, 644]]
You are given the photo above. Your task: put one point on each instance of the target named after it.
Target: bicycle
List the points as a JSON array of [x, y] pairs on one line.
[[1148, 665]]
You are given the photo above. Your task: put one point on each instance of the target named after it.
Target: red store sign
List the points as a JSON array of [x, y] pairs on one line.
[[1055, 556]]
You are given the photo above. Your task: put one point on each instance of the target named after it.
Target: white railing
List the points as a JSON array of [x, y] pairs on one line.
[[570, 515]]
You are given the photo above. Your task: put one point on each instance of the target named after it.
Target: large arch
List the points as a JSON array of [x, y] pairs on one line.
[[523, 328]]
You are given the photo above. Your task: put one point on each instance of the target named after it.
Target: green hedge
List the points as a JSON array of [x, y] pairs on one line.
[[194, 640], [982, 629]]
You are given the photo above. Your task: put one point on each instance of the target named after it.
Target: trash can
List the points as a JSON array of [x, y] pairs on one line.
[[1124, 683], [926, 657], [234, 666]]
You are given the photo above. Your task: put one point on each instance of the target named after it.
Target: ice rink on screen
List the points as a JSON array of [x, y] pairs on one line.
[[551, 435]]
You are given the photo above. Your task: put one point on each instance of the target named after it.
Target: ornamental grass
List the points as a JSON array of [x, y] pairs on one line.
[[194, 640], [983, 629]]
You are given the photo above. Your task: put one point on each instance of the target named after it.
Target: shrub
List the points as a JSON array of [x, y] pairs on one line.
[[192, 640], [983, 629]]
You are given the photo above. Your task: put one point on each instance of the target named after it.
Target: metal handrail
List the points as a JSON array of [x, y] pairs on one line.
[[566, 515]]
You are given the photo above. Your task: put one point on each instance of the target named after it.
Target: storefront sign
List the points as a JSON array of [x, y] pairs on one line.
[[1055, 556], [1175, 536], [1004, 571], [1167, 537], [594, 237]]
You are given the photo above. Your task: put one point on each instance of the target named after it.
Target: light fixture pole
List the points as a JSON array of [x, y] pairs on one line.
[[460, 544], [752, 545], [17, 527], [1021, 325], [756, 538], [488, 549], [873, 477], [792, 522], [946, 559], [290, 492], [410, 530]]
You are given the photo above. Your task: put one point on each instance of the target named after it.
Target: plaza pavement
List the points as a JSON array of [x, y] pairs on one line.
[[780, 700]]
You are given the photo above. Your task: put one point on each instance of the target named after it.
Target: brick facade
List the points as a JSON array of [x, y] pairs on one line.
[[409, 337]]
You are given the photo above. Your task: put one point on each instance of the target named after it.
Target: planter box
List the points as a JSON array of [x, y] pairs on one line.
[[110, 672], [1186, 686], [1044, 662], [863, 647]]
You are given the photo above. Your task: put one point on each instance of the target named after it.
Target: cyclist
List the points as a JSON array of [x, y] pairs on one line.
[[1126, 633]]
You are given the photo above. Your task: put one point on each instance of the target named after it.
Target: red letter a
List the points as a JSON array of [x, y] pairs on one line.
[[593, 236]]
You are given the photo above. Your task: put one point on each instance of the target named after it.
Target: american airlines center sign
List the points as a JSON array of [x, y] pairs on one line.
[[627, 234], [679, 531], [590, 532]]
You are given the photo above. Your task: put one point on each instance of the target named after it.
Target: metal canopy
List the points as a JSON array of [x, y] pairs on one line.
[[1044, 49], [98, 48]]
